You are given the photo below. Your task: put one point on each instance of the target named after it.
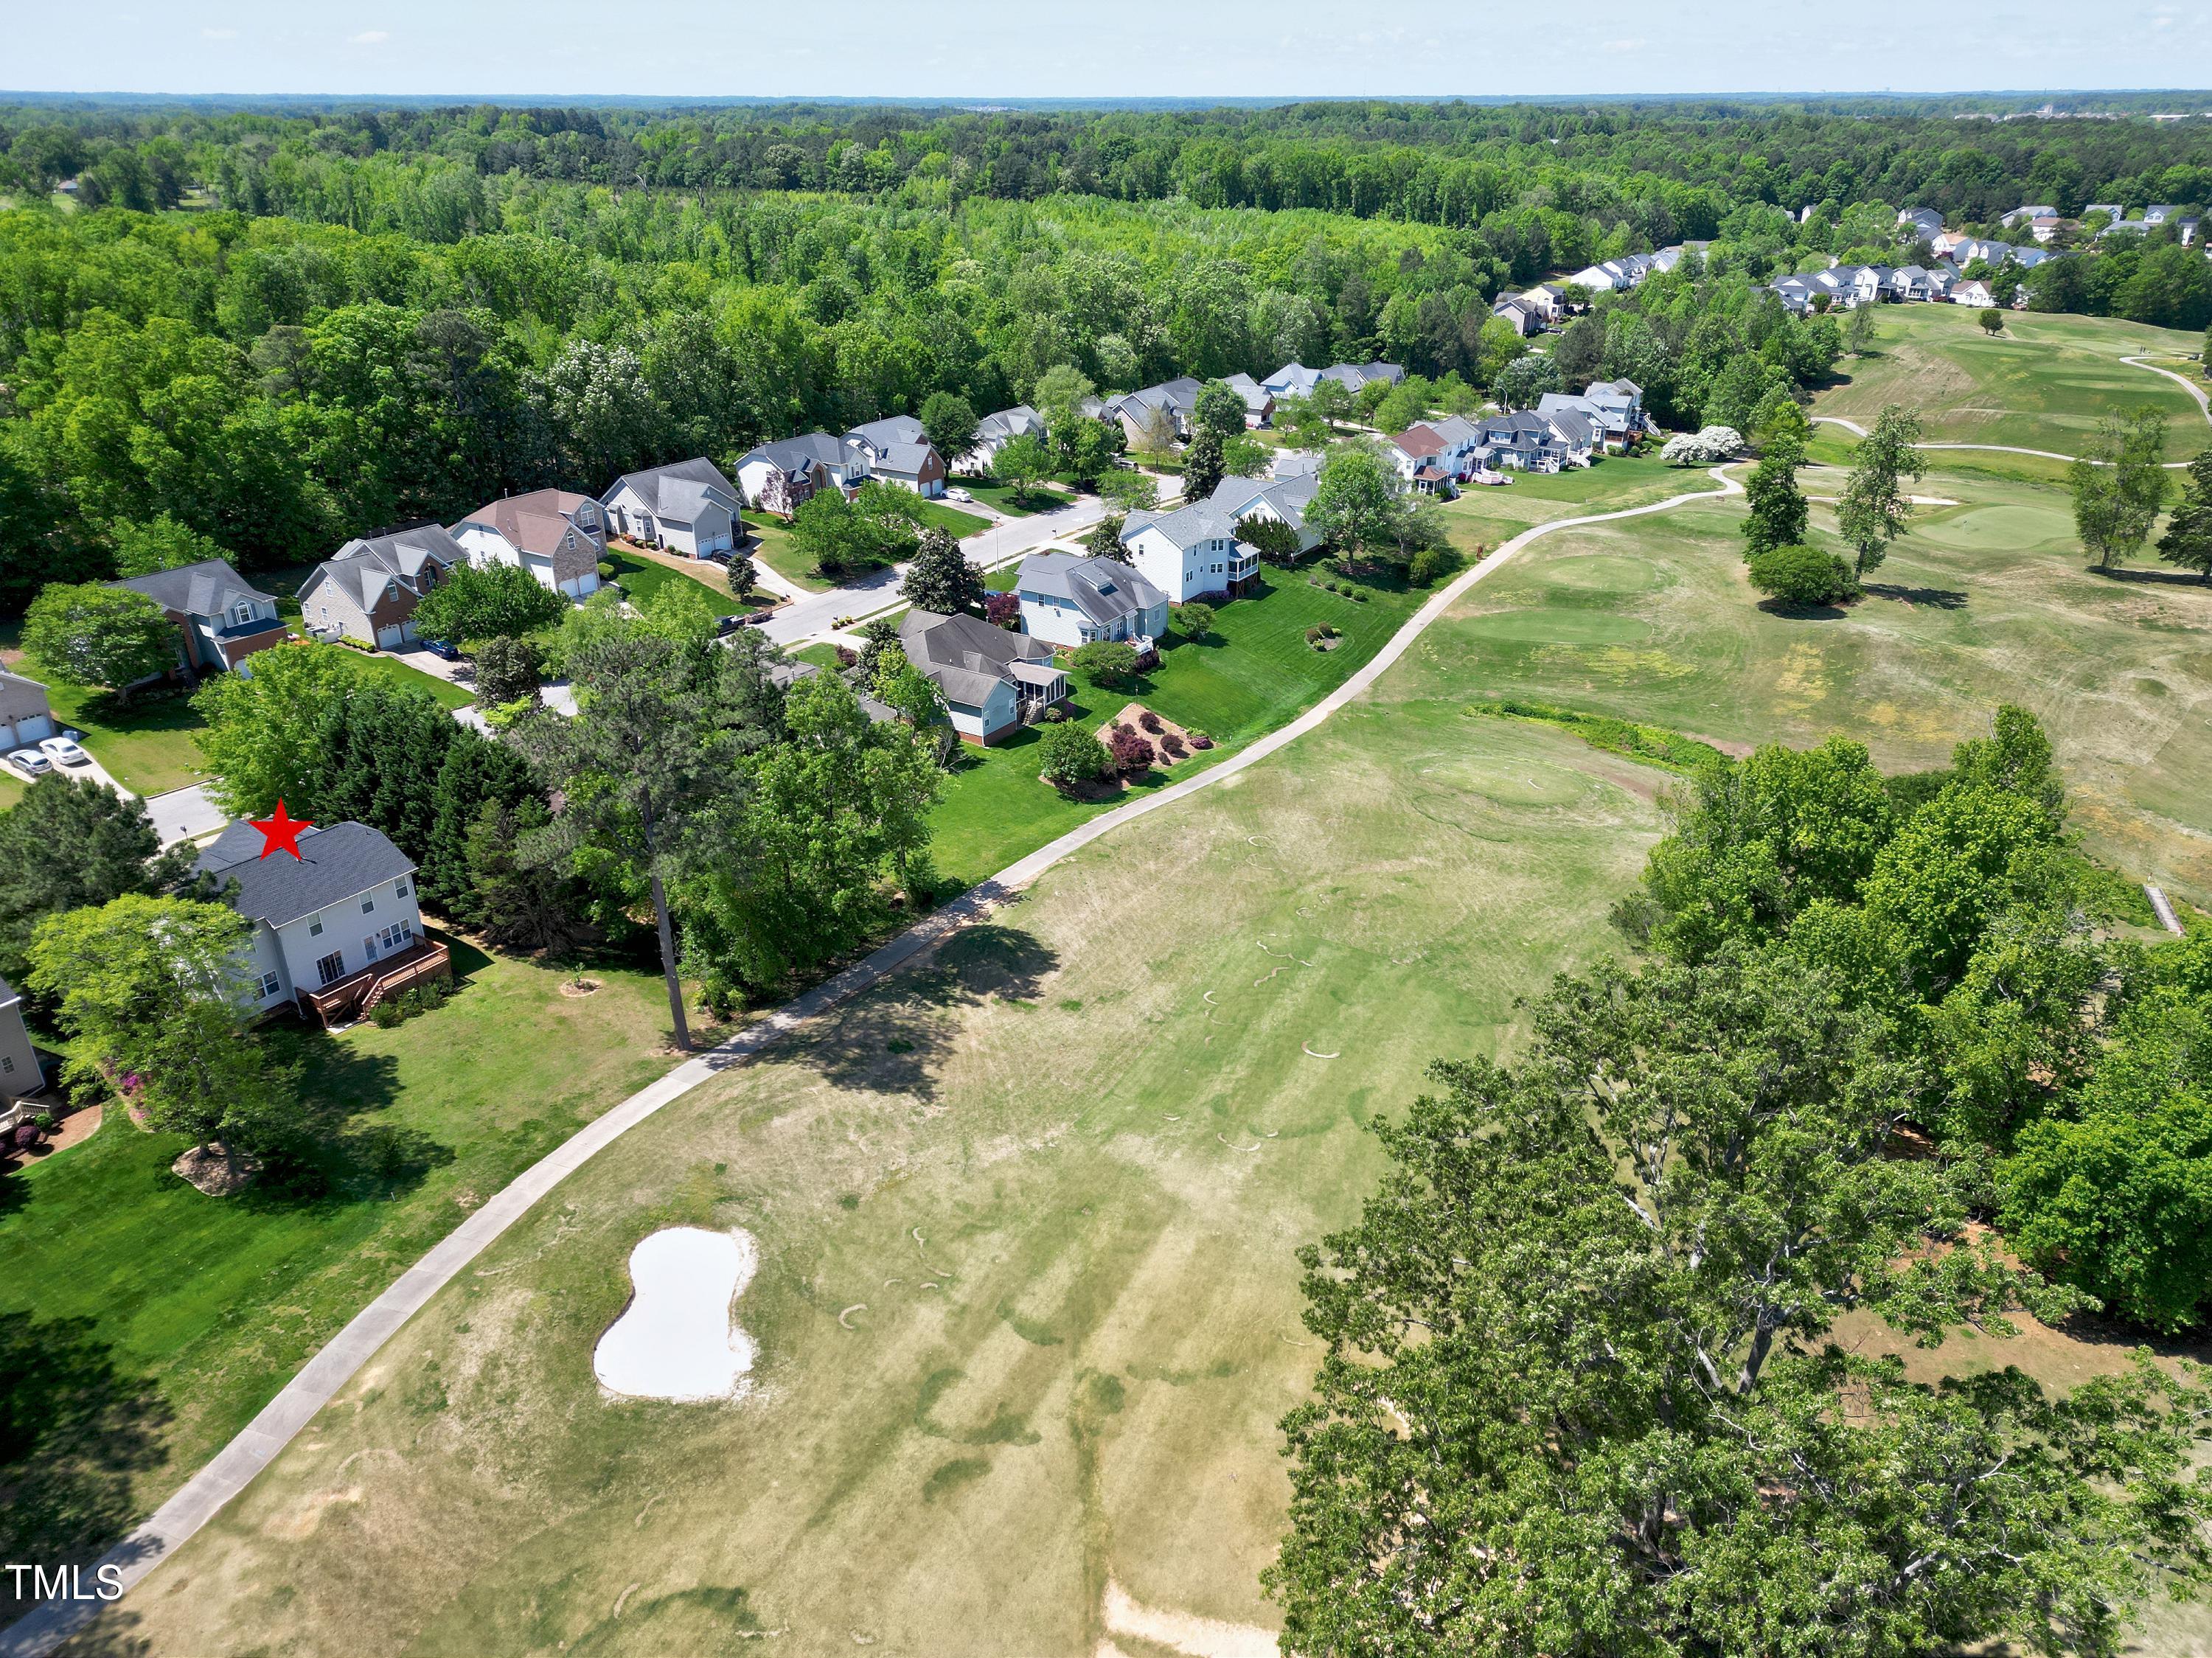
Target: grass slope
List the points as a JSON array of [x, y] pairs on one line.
[[643, 574], [214, 1302], [2043, 383], [1065, 1168], [1254, 672], [1650, 620]]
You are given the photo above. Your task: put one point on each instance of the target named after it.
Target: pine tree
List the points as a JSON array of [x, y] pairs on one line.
[[1204, 465]]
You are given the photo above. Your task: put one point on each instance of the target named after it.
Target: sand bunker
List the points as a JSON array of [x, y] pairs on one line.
[[1182, 1632], [676, 1339]]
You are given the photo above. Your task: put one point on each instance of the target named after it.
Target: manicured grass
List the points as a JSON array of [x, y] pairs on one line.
[[1650, 620], [771, 545], [1254, 672], [1041, 498], [642, 576], [2043, 383], [214, 1302], [936, 515], [1028, 1312], [1496, 513], [453, 696], [822, 655]]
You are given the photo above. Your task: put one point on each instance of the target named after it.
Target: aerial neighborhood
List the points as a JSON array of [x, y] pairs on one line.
[[1349, 876]]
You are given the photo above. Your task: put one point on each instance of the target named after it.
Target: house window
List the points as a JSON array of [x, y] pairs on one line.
[[394, 936], [367, 906], [269, 983], [401, 887], [7, 1064], [331, 968], [315, 928]]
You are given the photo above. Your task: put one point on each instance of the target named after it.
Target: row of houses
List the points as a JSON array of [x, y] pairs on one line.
[[1564, 429], [2043, 221], [1846, 287], [1549, 304], [1143, 413]]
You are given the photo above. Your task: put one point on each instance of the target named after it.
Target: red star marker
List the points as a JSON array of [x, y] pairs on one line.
[[280, 833]]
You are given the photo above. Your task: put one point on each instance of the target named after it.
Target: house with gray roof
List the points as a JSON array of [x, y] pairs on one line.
[[1073, 602], [1141, 412], [368, 590], [995, 431], [220, 619], [896, 450], [782, 477], [994, 682], [335, 929], [1284, 499], [1523, 441], [1258, 401], [1190, 553], [687, 507]]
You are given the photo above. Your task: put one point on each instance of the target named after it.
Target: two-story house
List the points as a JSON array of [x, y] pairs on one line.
[[1073, 602], [1190, 553], [559, 536], [220, 619], [335, 929], [369, 591], [1283, 499], [687, 507], [995, 431], [782, 477], [896, 450], [1155, 411], [20, 1072]]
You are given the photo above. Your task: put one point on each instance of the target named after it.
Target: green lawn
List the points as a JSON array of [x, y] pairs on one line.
[[1650, 619], [1254, 673], [641, 577], [822, 655], [453, 696], [1489, 515], [1041, 498], [1028, 1312], [197, 1309], [771, 545], [2043, 383], [937, 515]]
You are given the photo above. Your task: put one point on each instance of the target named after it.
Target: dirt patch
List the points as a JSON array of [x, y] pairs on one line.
[[576, 988], [213, 1173]]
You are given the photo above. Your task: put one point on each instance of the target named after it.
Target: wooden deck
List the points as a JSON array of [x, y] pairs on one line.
[[354, 995]]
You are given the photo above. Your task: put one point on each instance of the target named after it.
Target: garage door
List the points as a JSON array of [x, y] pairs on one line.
[[392, 637], [31, 729]]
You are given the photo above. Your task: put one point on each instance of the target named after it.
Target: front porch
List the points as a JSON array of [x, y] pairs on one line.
[[344, 999]]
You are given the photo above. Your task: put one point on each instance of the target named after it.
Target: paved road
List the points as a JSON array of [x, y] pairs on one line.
[[53, 1622], [184, 814], [1003, 543]]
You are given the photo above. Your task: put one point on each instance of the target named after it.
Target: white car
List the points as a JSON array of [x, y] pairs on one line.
[[30, 761], [958, 494], [64, 750]]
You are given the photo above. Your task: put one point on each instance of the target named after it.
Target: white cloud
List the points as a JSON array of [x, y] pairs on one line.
[[368, 37], [218, 34]]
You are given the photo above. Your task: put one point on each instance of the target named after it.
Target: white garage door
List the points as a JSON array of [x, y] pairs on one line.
[[37, 727]]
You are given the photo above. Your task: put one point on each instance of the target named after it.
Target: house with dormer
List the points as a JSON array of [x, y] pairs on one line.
[[367, 590], [220, 619], [686, 506]]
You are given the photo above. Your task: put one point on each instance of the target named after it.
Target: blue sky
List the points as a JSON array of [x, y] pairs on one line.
[[976, 49]]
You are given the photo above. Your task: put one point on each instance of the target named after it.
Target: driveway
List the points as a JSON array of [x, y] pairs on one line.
[[93, 772], [184, 814], [1002, 544]]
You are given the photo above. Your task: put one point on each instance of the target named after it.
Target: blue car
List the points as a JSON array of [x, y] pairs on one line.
[[440, 648]]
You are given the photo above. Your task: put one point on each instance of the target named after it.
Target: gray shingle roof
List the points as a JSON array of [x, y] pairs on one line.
[[678, 491], [364, 565], [1016, 421], [966, 656], [335, 864], [1186, 526], [208, 588], [906, 459], [1287, 497], [797, 454], [1103, 589], [890, 432]]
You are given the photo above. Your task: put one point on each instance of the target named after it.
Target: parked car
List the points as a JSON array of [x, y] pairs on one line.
[[63, 750], [729, 624], [442, 650], [957, 495], [30, 761]]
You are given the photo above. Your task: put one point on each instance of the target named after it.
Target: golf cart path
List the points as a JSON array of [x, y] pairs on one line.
[[54, 1621], [2204, 408]]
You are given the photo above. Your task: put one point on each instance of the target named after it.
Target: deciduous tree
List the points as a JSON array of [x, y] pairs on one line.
[[487, 601], [941, 577], [72, 844], [109, 637], [948, 421], [1778, 512], [2120, 488], [1876, 507]]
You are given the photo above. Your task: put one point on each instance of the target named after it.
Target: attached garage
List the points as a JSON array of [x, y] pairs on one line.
[[25, 717]]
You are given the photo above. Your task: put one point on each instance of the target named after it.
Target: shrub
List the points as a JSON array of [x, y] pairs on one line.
[[1196, 620], [1150, 721], [1108, 661], [1702, 447], [1432, 565], [1002, 610], [1802, 575], [385, 1014], [1200, 740], [847, 656], [46, 1121], [1053, 716], [1174, 746], [1071, 754], [606, 572], [1132, 753]]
